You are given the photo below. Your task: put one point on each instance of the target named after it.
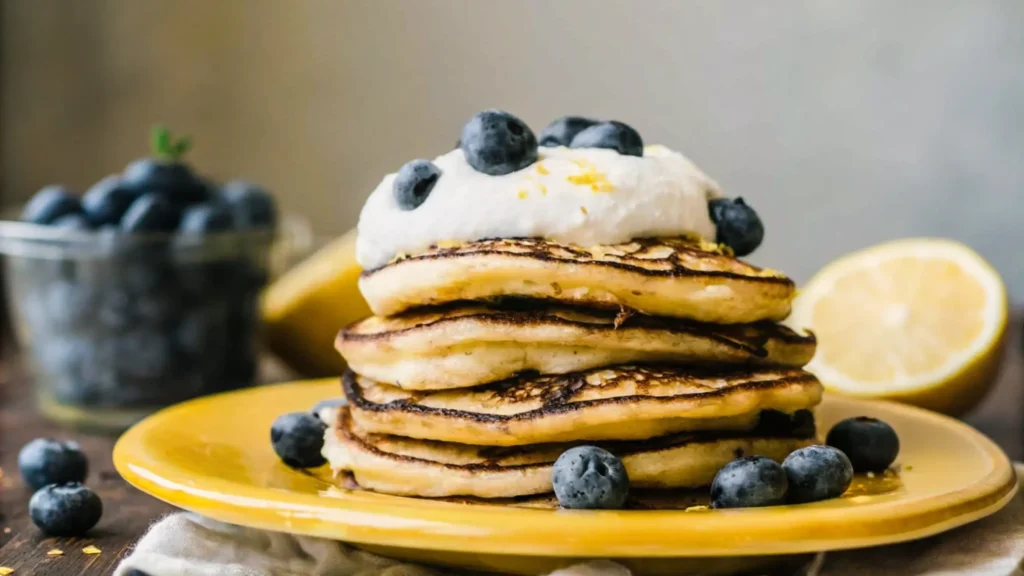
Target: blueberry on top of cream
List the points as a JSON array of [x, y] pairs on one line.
[[563, 130], [614, 135], [496, 143], [736, 225], [414, 182]]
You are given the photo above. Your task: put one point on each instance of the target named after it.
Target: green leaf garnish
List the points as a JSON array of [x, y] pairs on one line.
[[165, 147]]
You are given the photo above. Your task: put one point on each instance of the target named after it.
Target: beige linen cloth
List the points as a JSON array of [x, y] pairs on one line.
[[184, 544]]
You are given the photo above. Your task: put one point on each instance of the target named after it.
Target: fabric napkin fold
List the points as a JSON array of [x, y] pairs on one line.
[[185, 544]]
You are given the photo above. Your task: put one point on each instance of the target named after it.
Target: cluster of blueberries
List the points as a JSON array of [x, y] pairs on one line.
[[61, 505], [158, 302], [589, 478], [497, 143]]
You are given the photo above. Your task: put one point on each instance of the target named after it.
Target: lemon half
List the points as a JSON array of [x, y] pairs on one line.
[[304, 309], [921, 321]]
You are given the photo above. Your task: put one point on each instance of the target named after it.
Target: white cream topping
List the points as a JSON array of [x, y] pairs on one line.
[[586, 197]]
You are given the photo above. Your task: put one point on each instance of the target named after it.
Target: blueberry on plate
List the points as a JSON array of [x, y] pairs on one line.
[[817, 473], [562, 131], [152, 212], [298, 438], [251, 205], [46, 461], [870, 444], [206, 218], [613, 135], [107, 201], [328, 403], [414, 182], [587, 477], [736, 225], [749, 482], [67, 509], [49, 204], [496, 142]]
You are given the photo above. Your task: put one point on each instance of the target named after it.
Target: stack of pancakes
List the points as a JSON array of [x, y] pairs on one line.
[[489, 359]]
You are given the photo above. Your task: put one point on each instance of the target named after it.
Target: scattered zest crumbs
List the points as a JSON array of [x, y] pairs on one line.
[[543, 189], [55, 552], [522, 194], [584, 209], [4, 570], [91, 550], [597, 181], [696, 509], [908, 467], [541, 169]]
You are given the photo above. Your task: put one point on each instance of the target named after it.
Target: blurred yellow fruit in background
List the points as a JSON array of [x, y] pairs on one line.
[[922, 321], [304, 309]]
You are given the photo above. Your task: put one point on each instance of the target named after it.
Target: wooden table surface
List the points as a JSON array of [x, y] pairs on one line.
[[127, 512]]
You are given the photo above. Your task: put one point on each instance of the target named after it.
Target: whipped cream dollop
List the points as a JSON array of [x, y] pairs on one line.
[[581, 196]]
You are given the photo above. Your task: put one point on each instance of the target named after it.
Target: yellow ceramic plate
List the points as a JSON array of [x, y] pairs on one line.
[[213, 456]]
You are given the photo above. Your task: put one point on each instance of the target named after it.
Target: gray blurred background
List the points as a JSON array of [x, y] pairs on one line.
[[844, 122]]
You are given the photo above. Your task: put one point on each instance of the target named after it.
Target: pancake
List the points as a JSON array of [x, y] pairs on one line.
[[627, 402], [408, 467], [656, 276], [459, 346]]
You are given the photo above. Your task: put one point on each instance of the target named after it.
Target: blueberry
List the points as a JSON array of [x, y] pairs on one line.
[[870, 444], [613, 135], [251, 205], [749, 482], [328, 403], [158, 309], [117, 310], [72, 222], [68, 303], [46, 461], [817, 473], [107, 201], [587, 477], [496, 142], [414, 182], [737, 225], [298, 438], [206, 218], [142, 270], [172, 179], [145, 354], [152, 212], [68, 509], [799, 424], [201, 332], [49, 204], [562, 131]]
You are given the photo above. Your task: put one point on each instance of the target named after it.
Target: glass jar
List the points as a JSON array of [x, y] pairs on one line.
[[115, 326]]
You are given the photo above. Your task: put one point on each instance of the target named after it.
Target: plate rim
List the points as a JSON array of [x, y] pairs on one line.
[[484, 529]]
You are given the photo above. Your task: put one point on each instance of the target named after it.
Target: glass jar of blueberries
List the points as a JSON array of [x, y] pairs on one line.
[[142, 293]]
